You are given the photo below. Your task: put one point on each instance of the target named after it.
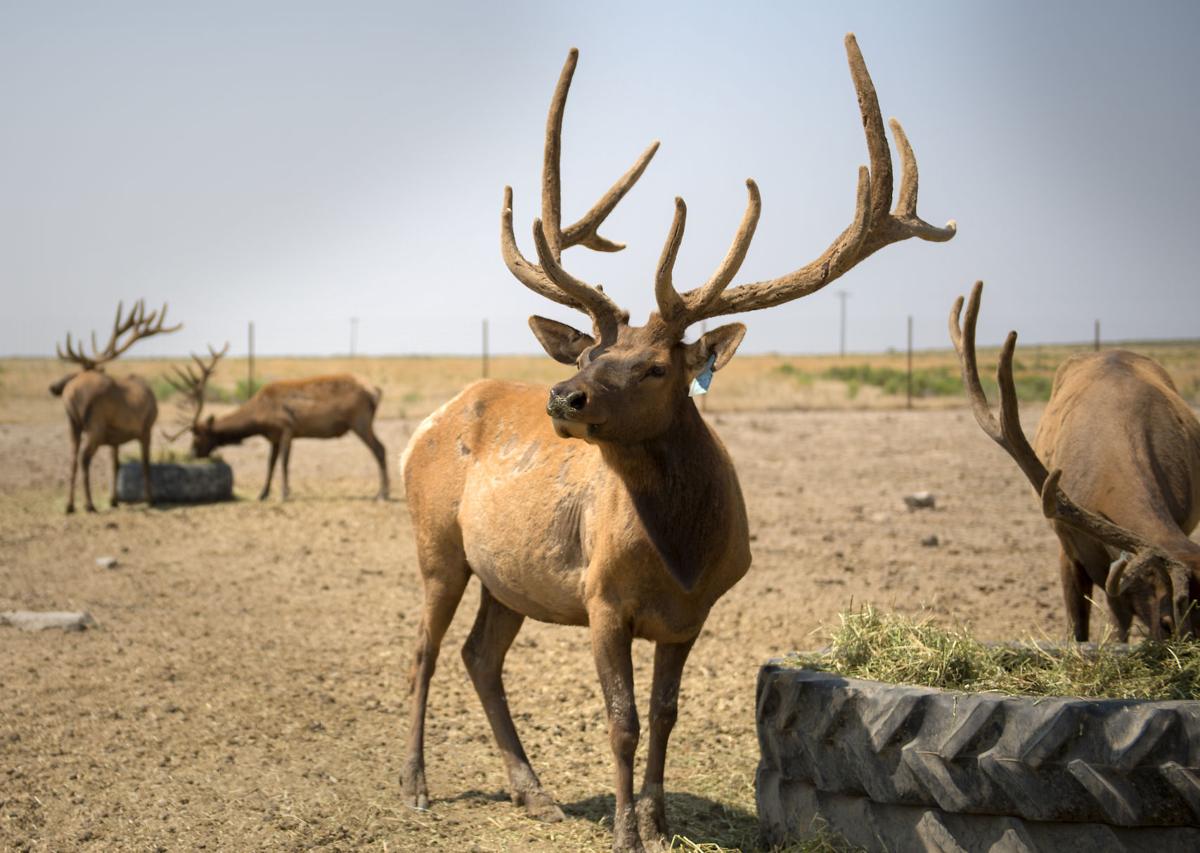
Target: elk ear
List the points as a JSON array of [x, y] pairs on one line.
[[560, 341], [720, 344]]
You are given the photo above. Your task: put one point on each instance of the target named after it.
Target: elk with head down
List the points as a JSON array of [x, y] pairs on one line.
[[317, 407], [636, 528], [1120, 440], [104, 410]]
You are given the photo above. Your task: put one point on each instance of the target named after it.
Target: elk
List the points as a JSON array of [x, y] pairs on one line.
[[316, 407], [106, 410], [1117, 437], [637, 527]]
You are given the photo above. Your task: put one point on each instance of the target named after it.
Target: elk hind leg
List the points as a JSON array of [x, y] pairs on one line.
[[266, 489], [367, 433], [285, 456], [496, 627], [445, 574], [89, 450], [669, 659], [74, 467], [1077, 592]]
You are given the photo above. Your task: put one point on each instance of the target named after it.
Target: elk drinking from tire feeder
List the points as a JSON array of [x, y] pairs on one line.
[[636, 528], [1126, 448]]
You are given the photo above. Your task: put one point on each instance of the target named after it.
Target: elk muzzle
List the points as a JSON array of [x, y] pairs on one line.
[[564, 405]]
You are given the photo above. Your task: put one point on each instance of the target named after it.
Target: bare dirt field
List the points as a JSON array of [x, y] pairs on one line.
[[246, 685]]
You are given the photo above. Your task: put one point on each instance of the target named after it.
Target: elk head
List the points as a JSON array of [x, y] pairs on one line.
[[1157, 584], [125, 332], [632, 381], [193, 384]]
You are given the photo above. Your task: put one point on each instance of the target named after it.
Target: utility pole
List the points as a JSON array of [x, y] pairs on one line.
[[843, 296], [485, 348], [703, 397], [353, 335], [910, 361], [1097, 336]]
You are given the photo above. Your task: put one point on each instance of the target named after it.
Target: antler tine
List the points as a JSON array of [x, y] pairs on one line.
[[670, 303], [604, 312], [74, 354], [873, 226], [1007, 431], [583, 232], [139, 325], [699, 299]]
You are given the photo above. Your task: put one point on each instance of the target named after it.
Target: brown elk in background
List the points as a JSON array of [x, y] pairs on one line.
[[104, 410], [636, 529], [317, 407], [1126, 447]]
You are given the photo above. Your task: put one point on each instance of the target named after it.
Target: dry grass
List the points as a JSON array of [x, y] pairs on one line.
[[905, 650], [414, 386]]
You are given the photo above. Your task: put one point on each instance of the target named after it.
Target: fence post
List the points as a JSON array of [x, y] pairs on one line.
[[250, 364], [910, 361]]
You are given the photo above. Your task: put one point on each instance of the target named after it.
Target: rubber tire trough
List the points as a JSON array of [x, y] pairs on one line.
[[895, 767], [206, 481]]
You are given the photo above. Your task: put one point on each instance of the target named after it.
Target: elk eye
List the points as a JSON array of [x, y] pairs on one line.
[[657, 371]]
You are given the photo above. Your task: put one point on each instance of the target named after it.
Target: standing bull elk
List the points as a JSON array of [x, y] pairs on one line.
[[1120, 440], [317, 407], [636, 529], [104, 410]]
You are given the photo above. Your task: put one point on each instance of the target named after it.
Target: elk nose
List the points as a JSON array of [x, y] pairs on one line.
[[577, 400]]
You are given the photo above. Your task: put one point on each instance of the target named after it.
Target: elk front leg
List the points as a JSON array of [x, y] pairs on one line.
[[445, 573], [266, 489], [1077, 590], [669, 659], [285, 453], [612, 648], [496, 627], [367, 434], [74, 468]]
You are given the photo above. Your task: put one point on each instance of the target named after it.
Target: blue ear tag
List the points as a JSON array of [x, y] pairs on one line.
[[700, 383]]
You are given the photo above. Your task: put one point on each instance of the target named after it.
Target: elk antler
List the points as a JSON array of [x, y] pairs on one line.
[[1007, 433], [137, 325], [549, 279], [872, 228], [1143, 556], [193, 385]]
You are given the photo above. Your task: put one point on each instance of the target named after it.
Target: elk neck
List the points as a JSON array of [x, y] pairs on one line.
[[242, 422], [680, 486]]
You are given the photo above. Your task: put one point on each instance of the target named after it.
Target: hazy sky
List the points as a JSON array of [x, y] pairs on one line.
[[300, 163]]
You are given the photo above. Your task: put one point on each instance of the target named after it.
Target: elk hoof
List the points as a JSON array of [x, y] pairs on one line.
[[625, 832], [262, 496], [90, 508], [652, 822], [70, 509], [416, 794], [540, 806]]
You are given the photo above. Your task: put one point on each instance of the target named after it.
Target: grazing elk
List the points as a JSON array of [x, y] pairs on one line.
[[317, 407], [636, 529], [109, 411], [1126, 447]]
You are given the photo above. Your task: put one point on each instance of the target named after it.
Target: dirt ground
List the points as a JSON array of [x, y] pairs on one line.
[[246, 685]]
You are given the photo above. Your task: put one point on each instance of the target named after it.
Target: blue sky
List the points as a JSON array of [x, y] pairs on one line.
[[300, 163]]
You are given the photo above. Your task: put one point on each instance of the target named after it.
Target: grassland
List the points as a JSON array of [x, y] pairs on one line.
[[413, 386]]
